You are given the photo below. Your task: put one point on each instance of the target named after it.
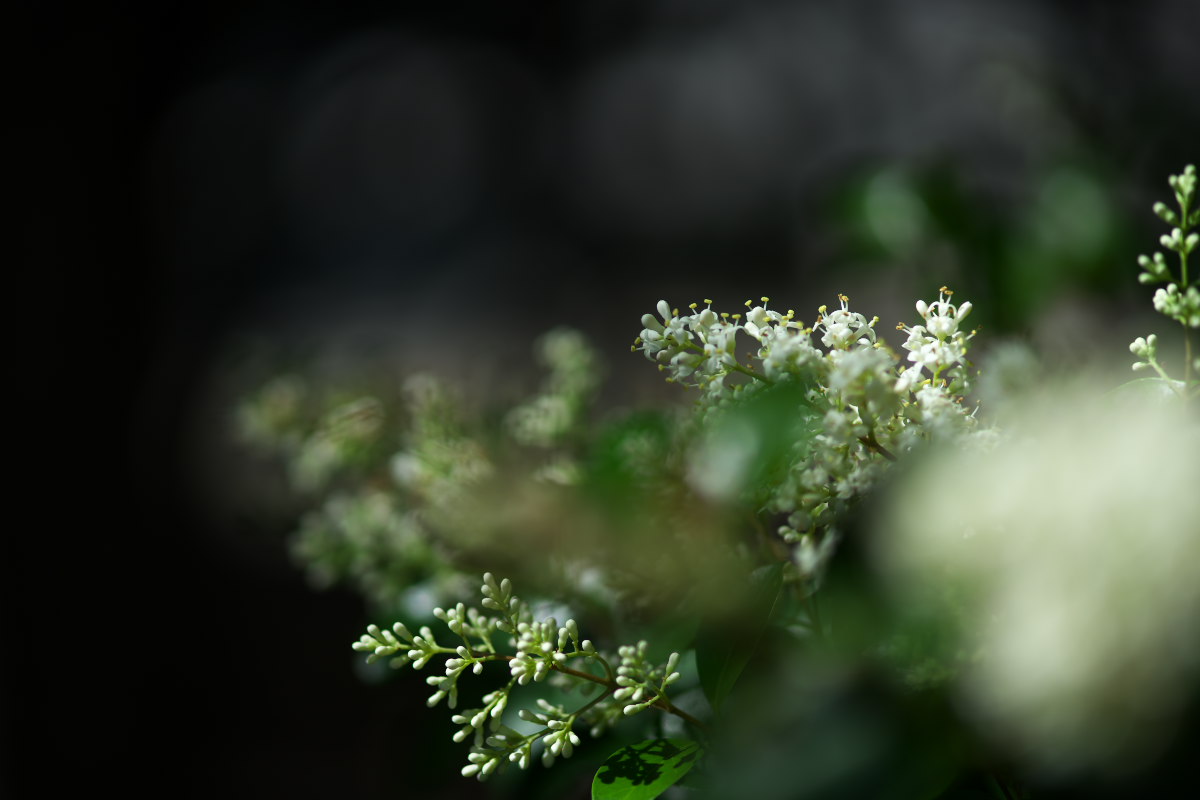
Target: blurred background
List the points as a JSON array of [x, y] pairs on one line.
[[218, 188]]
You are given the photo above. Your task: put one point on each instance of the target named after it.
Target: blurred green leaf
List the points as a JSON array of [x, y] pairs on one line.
[[721, 655], [754, 442], [626, 455]]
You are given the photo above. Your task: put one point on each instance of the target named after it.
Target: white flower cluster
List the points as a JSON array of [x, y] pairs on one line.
[[698, 348], [637, 678], [1072, 547], [541, 648], [561, 741], [507, 745], [540, 644], [937, 345], [441, 462], [353, 533], [864, 404], [341, 435], [1181, 305], [559, 408]]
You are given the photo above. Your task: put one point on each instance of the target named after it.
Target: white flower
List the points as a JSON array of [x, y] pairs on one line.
[[812, 557], [908, 380], [1079, 576], [938, 344]]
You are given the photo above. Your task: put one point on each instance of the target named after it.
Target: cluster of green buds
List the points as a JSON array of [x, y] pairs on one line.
[[536, 650], [1179, 299]]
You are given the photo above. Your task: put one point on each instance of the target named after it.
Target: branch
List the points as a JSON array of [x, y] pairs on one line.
[[871, 443], [610, 684]]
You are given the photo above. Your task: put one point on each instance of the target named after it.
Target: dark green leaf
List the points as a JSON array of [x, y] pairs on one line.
[[644, 770], [723, 653]]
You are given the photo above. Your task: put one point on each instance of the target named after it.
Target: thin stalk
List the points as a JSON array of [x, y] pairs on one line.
[[1183, 286], [752, 374], [1185, 211], [871, 443]]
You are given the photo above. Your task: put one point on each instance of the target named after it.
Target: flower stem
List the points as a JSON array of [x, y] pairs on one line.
[[751, 373], [871, 443]]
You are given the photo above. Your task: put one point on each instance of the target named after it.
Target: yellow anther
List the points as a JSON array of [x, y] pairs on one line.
[[737, 316], [946, 291], [749, 303], [706, 300], [899, 326], [765, 299], [724, 314], [822, 309], [843, 298], [693, 306]]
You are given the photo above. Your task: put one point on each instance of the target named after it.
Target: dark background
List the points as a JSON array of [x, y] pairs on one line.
[[440, 183]]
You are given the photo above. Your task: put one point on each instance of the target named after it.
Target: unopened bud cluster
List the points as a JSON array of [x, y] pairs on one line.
[[1179, 299], [638, 678], [535, 650]]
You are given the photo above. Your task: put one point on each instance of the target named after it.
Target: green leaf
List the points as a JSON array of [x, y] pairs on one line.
[[616, 463], [1154, 388], [644, 770], [781, 424], [722, 654]]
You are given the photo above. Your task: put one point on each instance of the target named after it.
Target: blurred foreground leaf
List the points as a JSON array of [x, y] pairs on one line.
[[721, 656]]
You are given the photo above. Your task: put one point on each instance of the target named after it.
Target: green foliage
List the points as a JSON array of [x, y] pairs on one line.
[[644, 770], [722, 653], [931, 226]]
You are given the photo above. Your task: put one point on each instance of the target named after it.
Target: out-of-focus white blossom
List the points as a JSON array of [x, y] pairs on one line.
[[1076, 541], [560, 408]]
